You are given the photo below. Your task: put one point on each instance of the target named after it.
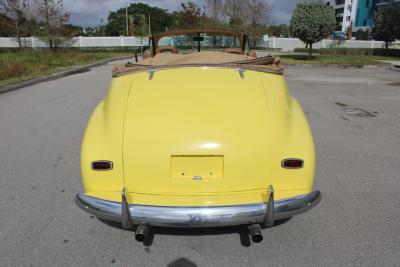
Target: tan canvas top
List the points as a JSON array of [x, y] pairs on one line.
[[204, 58]]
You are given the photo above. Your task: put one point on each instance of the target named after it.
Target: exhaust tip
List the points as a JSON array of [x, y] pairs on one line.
[[142, 233], [257, 238], [255, 233], [140, 237]]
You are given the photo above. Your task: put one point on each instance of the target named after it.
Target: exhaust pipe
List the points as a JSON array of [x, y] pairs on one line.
[[255, 233], [142, 233]]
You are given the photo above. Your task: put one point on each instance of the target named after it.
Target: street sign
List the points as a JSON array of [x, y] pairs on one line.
[[266, 37]]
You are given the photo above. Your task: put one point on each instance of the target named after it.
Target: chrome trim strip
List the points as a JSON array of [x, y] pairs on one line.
[[199, 216]]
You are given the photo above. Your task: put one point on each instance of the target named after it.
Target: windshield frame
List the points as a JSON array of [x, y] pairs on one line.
[[242, 37]]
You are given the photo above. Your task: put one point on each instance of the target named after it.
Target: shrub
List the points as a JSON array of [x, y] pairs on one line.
[[128, 49], [306, 50], [12, 70], [387, 52]]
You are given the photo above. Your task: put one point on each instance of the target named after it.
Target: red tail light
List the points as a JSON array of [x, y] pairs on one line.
[[292, 163], [102, 165]]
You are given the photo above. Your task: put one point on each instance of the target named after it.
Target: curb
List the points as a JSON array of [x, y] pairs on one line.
[[350, 66], [395, 68], [73, 70]]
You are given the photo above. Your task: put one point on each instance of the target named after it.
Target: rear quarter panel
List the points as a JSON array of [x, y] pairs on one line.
[[103, 141], [291, 136]]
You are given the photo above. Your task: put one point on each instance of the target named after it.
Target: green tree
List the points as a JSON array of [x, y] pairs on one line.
[[214, 8], [278, 30], [14, 17], [142, 28], [160, 19], [189, 17], [284, 30], [88, 31], [257, 17], [387, 25], [6, 29], [50, 14], [208, 22], [235, 10], [73, 30], [362, 35], [312, 21], [214, 13], [192, 17]]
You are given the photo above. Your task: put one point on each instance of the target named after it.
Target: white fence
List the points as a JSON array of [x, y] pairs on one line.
[[80, 41], [289, 44], [285, 44]]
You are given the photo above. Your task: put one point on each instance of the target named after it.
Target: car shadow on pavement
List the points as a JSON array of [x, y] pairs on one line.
[[182, 262], [183, 231]]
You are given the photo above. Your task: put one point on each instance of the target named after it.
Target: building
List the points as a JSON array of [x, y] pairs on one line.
[[345, 13], [357, 14], [364, 14], [366, 10]]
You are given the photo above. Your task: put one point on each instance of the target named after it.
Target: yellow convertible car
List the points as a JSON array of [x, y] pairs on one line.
[[200, 133]]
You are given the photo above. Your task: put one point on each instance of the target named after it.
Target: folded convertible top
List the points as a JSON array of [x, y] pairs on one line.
[[268, 64]]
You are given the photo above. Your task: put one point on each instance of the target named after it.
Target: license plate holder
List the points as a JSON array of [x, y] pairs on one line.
[[197, 167]]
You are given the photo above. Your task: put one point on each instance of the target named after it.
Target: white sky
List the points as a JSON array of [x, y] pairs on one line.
[[90, 12]]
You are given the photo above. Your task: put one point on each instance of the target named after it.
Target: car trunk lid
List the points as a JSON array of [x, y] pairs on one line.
[[196, 131]]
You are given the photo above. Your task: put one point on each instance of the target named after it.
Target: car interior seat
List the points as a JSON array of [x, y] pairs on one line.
[[167, 49]]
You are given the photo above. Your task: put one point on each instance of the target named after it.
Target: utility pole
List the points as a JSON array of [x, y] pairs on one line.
[[101, 26], [126, 17]]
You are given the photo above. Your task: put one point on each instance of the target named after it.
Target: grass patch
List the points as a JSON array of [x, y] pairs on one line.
[[21, 65], [334, 60]]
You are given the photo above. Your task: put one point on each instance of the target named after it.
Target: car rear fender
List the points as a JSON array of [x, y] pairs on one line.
[[103, 139], [292, 138]]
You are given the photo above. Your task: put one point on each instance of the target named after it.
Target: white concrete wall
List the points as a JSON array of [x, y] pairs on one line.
[[80, 42], [12, 42], [289, 44]]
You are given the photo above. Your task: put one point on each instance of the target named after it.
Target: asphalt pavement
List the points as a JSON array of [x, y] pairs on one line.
[[355, 118]]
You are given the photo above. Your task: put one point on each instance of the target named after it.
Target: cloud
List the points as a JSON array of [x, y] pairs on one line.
[[90, 12], [283, 10]]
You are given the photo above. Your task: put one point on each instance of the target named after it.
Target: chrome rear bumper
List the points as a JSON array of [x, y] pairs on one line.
[[198, 216]]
